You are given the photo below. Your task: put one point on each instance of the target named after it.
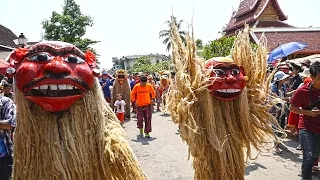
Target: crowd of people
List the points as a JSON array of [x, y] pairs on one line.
[[148, 94], [298, 86]]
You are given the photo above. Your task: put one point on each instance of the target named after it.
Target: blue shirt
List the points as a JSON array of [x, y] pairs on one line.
[[8, 114], [106, 89], [132, 84]]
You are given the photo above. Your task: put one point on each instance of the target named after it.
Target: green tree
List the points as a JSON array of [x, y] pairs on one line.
[[163, 65], [143, 64], [199, 44], [218, 47], [166, 34], [69, 26]]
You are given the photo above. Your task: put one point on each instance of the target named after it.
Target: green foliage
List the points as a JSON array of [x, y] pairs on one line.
[[199, 44], [69, 26], [163, 65], [220, 47], [143, 64], [166, 34]]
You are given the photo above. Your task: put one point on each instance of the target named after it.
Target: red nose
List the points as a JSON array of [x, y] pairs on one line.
[[57, 66], [230, 79]]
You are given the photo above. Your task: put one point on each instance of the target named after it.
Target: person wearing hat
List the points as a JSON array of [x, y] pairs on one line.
[[305, 102], [162, 90], [142, 95], [305, 64], [279, 89], [296, 80], [105, 83]]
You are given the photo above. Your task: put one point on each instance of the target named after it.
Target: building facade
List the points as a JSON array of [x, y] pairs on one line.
[[127, 62]]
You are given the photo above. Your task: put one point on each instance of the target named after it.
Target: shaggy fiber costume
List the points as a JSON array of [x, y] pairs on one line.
[[121, 86], [221, 126], [66, 130]]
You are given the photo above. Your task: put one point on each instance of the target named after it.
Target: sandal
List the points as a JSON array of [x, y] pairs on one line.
[[299, 147]]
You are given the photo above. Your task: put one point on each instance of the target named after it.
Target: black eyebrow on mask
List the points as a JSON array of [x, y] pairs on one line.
[[56, 51]]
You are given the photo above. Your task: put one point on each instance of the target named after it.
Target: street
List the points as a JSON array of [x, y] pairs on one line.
[[165, 157]]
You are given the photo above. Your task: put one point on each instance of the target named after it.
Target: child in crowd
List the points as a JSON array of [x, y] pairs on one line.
[[119, 106]]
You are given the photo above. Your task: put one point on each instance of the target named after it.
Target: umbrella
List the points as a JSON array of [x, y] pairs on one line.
[[285, 50]]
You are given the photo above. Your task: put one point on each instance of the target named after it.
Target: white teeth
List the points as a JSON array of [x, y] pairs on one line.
[[56, 87], [229, 90], [44, 87], [62, 86], [69, 86], [53, 87]]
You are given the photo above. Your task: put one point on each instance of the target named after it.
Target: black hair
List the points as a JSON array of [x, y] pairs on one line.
[[297, 67], [6, 84], [143, 79], [315, 69]]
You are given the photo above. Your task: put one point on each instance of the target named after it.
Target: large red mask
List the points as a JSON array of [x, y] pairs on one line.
[[227, 78], [53, 75]]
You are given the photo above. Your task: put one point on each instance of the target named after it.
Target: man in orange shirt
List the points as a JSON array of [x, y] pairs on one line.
[[142, 95]]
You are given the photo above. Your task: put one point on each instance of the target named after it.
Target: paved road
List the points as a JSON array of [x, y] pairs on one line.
[[165, 156]]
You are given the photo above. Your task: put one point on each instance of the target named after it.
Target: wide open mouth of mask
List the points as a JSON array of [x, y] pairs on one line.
[[121, 76], [54, 90]]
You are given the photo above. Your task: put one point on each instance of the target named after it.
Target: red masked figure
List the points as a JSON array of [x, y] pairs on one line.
[[53, 75], [228, 79]]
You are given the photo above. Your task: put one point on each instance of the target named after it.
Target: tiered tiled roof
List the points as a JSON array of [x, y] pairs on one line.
[[278, 36], [7, 37], [263, 24], [249, 12]]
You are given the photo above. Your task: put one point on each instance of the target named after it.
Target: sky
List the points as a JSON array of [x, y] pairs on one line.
[[129, 27]]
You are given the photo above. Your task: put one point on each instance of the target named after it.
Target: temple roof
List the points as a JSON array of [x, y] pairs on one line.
[[250, 10], [278, 36], [7, 37]]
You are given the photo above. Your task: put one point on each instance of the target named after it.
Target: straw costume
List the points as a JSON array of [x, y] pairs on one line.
[[220, 106], [121, 86], [66, 130], [164, 90]]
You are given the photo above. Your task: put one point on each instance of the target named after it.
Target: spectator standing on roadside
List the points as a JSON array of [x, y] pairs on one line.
[[304, 103]]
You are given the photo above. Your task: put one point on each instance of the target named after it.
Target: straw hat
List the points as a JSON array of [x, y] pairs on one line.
[[305, 73]]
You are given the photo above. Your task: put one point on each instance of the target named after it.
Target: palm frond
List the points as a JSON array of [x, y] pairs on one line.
[[169, 46], [166, 40], [164, 33], [183, 33]]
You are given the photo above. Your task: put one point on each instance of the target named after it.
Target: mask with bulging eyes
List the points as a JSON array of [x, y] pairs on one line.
[[53, 75], [227, 78]]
